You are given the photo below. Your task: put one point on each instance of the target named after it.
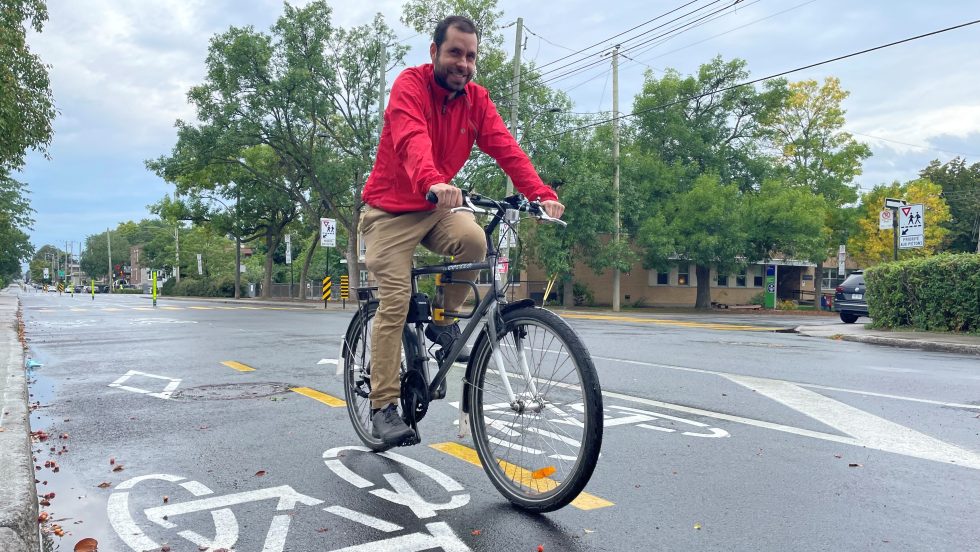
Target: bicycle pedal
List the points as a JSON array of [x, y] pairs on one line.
[[409, 441]]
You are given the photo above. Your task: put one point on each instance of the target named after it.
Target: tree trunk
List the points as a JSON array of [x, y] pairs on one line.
[[305, 274], [568, 290], [271, 242], [703, 274]]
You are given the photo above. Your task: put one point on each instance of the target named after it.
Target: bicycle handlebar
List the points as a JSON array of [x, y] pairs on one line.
[[473, 202]]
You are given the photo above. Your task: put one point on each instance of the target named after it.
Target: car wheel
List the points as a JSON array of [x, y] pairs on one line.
[[848, 318]]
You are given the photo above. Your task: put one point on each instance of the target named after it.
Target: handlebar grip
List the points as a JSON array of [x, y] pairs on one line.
[[431, 197]]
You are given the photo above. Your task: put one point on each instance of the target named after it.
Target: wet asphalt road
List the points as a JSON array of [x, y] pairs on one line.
[[720, 435]]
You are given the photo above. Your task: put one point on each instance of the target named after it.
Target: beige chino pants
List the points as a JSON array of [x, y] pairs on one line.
[[391, 239]]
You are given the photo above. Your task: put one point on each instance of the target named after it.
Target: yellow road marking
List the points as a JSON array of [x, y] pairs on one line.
[[111, 309], [583, 501], [202, 308], [238, 366], [322, 397], [172, 308], [666, 322]]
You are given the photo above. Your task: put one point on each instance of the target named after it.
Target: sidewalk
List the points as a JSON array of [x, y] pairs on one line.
[[18, 496], [928, 341]]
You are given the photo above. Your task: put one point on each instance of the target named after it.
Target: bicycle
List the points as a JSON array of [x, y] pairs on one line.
[[530, 394]]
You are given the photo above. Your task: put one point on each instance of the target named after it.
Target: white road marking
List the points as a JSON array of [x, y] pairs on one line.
[[441, 537], [364, 519], [275, 539], [327, 361], [807, 385], [869, 430], [165, 394], [287, 500]]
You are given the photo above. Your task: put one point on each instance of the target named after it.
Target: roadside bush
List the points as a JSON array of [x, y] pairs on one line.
[[758, 299], [583, 295], [195, 287], [939, 293], [788, 305]]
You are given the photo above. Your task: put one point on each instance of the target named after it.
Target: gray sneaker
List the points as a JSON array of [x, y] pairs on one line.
[[445, 337], [388, 426]]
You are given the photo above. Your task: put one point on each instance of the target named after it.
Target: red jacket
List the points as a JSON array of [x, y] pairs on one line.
[[427, 138]]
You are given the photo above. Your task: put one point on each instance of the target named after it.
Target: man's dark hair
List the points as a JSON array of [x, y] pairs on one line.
[[463, 24]]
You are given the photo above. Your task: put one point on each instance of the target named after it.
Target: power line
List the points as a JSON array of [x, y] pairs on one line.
[[770, 77], [916, 145], [526, 28], [631, 47]]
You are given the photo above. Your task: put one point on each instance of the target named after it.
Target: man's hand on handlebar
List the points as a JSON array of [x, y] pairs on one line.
[[449, 196], [552, 208]]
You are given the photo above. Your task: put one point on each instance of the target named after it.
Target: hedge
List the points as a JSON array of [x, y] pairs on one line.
[[194, 287], [939, 293]]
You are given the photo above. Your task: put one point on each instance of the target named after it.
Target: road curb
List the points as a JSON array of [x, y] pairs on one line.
[[18, 495], [910, 344]]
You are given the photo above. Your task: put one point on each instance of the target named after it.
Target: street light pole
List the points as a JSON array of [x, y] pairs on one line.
[[238, 247]]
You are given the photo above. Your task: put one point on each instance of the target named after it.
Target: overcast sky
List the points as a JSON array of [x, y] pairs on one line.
[[120, 70]]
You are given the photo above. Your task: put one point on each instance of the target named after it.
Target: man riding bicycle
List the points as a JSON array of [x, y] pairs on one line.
[[434, 116]]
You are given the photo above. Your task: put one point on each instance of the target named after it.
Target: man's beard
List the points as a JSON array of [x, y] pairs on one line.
[[442, 74]]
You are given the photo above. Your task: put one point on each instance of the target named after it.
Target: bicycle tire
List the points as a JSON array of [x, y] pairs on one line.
[[571, 412], [357, 374]]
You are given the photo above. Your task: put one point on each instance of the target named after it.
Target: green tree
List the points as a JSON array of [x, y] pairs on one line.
[[95, 258], [699, 141], [704, 226], [814, 152], [871, 246], [961, 190], [26, 105], [15, 218]]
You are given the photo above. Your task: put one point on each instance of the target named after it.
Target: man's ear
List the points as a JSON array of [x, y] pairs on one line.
[[432, 51]]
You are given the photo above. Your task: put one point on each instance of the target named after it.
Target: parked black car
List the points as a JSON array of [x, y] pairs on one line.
[[850, 299]]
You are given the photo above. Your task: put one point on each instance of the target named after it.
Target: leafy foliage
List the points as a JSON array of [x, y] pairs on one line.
[[961, 190], [26, 105], [871, 246], [938, 293]]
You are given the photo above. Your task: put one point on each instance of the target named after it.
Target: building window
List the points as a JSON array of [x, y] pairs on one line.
[[830, 278], [683, 276], [758, 280], [722, 280], [363, 278], [663, 278], [740, 278]]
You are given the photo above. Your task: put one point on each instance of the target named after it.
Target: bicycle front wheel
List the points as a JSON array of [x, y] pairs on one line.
[[357, 350], [540, 449]]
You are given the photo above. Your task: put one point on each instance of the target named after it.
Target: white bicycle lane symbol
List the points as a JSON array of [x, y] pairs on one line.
[[226, 528]]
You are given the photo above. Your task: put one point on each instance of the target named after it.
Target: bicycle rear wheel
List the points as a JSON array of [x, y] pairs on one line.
[[357, 374], [541, 450]]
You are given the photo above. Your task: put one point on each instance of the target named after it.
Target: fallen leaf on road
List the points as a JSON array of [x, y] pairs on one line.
[[42, 517], [838, 456], [87, 545], [260, 473], [543, 472], [697, 526], [854, 465], [119, 467], [475, 532], [112, 460], [322, 530], [104, 485], [166, 499]]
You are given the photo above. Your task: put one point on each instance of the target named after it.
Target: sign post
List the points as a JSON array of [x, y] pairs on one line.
[[841, 260], [894, 204], [154, 288], [328, 238], [289, 261]]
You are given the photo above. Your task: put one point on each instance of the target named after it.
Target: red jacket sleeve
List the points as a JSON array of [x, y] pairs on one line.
[[410, 133], [497, 142]]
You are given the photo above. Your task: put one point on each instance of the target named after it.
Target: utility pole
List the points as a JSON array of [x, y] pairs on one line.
[[177, 250], [615, 79], [108, 242], [238, 247], [383, 58], [515, 98]]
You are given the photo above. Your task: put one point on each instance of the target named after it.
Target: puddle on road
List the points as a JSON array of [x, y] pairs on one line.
[[231, 391], [77, 508]]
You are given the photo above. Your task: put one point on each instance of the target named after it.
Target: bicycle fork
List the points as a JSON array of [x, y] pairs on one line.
[[517, 404]]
